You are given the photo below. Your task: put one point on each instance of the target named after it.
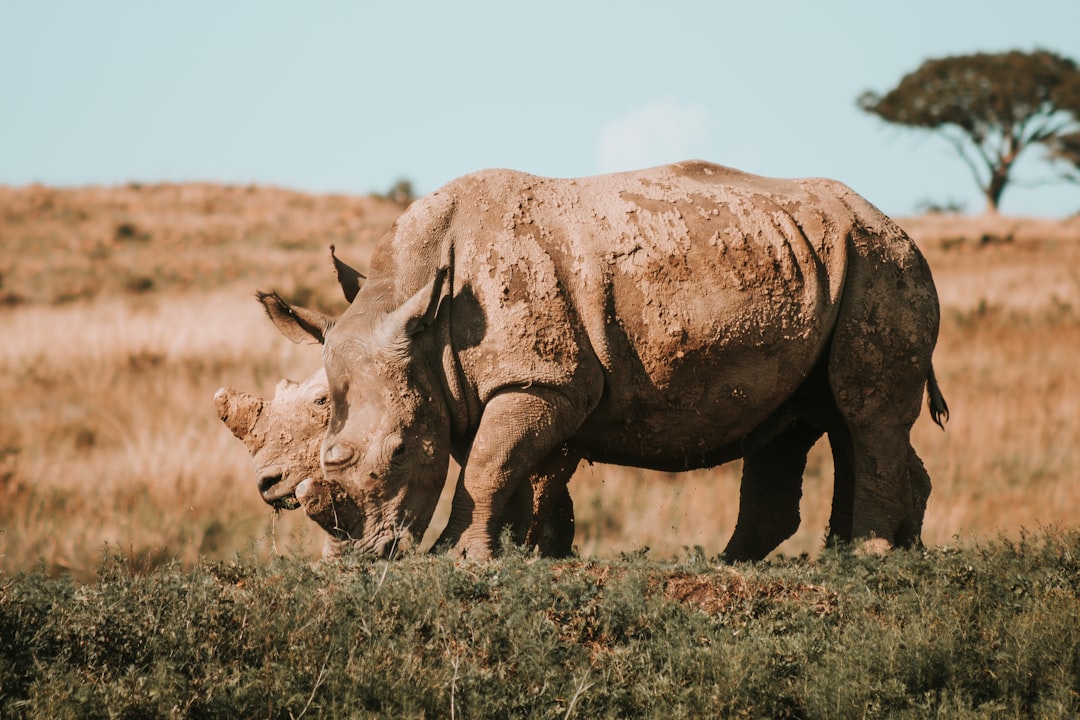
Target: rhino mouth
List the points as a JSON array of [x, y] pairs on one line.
[[284, 501]]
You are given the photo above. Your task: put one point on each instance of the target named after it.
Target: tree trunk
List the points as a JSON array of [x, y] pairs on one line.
[[999, 173], [999, 178]]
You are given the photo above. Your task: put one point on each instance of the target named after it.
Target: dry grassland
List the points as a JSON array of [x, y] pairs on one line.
[[123, 309]]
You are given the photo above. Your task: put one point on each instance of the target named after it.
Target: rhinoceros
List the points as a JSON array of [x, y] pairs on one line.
[[672, 318], [284, 438]]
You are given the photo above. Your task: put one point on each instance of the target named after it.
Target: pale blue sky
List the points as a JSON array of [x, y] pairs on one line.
[[351, 96]]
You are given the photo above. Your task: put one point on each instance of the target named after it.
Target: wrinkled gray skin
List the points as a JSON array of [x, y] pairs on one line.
[[671, 318]]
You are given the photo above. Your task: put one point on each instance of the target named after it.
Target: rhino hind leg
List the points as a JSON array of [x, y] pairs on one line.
[[770, 492], [840, 522], [878, 368], [910, 531]]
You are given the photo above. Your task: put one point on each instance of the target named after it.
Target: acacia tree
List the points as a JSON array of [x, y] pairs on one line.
[[990, 107]]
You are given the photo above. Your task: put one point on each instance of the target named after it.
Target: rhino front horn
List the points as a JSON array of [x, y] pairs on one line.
[[237, 410]]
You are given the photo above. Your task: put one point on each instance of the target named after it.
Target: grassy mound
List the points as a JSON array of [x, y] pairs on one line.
[[985, 631]]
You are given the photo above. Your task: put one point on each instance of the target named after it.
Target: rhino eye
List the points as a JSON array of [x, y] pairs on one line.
[[322, 400]]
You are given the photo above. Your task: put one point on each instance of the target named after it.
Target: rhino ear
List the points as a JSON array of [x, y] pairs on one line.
[[420, 310], [296, 323], [348, 278]]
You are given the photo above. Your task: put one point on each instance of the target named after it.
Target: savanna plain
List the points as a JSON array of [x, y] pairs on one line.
[[142, 575]]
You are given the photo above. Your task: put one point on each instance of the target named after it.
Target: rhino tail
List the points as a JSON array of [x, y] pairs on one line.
[[939, 410]]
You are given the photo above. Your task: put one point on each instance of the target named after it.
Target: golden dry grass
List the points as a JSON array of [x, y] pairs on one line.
[[108, 434]]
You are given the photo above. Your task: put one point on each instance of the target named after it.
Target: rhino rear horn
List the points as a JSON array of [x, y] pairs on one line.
[[237, 410], [348, 278]]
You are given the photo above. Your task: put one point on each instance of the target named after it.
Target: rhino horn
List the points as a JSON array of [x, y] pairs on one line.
[[347, 277], [238, 410]]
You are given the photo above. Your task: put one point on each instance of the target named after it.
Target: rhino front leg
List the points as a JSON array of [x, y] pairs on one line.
[[541, 511], [843, 501], [520, 433]]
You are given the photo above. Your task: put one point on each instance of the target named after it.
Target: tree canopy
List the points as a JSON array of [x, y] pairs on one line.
[[991, 107]]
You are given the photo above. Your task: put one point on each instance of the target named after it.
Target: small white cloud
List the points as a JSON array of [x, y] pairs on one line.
[[659, 133]]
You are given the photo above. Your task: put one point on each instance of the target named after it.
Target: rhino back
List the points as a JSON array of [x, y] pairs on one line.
[[704, 294], [698, 296]]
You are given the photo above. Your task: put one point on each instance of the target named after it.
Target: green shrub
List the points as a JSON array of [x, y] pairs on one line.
[[987, 631]]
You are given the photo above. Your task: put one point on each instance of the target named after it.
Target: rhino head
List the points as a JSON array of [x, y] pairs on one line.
[[388, 436], [283, 435]]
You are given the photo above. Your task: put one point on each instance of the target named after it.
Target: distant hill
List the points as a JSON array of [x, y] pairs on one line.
[[64, 245], [943, 229]]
